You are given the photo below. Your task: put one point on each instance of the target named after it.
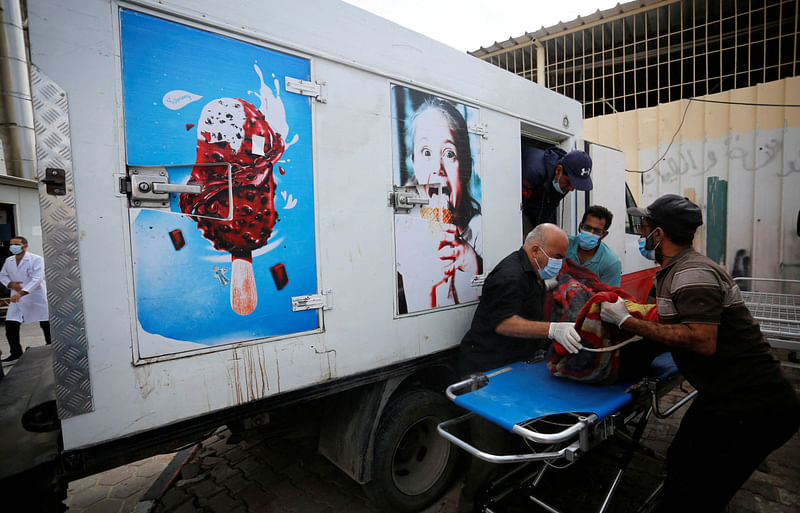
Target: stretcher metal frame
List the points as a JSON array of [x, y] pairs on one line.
[[778, 313], [617, 405]]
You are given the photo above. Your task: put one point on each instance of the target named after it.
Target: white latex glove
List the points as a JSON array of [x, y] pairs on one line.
[[615, 313], [551, 284], [564, 333]]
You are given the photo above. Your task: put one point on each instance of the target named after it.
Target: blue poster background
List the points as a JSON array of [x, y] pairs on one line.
[[181, 293]]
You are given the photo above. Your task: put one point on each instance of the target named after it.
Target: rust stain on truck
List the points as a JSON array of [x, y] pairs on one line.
[[249, 374]]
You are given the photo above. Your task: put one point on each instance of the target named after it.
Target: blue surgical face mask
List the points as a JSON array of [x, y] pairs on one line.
[[647, 253], [15, 249], [552, 268], [557, 187], [587, 240]]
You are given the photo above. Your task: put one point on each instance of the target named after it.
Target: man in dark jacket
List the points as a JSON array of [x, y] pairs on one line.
[[509, 325], [547, 176]]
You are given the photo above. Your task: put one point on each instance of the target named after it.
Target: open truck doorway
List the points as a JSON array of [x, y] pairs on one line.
[[531, 148], [609, 190]]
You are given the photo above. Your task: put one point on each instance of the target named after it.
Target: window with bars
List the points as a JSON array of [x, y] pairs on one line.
[[666, 52]]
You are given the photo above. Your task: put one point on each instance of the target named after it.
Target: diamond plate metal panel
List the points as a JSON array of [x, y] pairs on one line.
[[60, 241]]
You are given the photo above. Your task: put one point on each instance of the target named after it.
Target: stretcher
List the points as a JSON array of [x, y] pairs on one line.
[[559, 419], [778, 313]]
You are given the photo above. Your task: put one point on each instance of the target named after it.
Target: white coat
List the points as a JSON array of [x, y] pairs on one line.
[[30, 271]]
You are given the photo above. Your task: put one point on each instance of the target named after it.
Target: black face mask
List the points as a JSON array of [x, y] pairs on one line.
[[659, 255], [651, 244], [650, 241]]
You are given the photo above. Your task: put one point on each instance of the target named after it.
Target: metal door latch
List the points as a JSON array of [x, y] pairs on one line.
[[149, 187], [56, 181], [403, 201], [403, 198]]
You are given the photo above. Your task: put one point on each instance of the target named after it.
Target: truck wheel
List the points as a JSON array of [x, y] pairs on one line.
[[413, 465]]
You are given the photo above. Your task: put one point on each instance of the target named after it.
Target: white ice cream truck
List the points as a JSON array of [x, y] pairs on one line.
[[247, 205]]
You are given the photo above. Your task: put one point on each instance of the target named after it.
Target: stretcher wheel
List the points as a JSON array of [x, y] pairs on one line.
[[413, 465]]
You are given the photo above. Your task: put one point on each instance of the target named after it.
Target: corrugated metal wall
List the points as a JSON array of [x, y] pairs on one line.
[[740, 163]]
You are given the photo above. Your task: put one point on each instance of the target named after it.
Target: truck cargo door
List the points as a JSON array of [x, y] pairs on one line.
[[437, 201], [608, 178], [219, 180]]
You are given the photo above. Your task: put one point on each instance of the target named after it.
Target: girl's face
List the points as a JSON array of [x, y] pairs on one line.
[[435, 157]]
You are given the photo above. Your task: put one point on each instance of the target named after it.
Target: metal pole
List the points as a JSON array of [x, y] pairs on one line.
[[16, 110]]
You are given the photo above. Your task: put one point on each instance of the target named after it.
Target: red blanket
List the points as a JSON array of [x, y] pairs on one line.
[[582, 291]]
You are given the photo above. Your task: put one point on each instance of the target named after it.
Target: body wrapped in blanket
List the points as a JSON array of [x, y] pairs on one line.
[[577, 298]]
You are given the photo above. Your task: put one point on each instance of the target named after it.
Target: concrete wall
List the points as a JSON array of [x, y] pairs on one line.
[[740, 163]]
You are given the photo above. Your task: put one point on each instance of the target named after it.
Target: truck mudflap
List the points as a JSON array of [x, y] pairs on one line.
[[30, 450]]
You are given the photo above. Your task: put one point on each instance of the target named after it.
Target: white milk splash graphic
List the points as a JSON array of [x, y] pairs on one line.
[[272, 107]]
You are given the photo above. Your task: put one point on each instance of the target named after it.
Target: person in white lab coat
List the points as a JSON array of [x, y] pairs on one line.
[[23, 274]]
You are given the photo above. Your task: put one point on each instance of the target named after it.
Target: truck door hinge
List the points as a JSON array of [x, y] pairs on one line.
[[316, 90], [477, 280], [55, 180], [481, 129], [125, 185], [313, 301]]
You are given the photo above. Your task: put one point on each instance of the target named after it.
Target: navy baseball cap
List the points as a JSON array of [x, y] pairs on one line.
[[578, 166], [672, 212]]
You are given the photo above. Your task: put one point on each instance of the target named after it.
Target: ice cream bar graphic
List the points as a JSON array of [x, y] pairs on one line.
[[437, 212], [232, 130]]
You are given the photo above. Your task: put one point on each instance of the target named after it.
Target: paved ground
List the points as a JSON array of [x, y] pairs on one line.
[[280, 471], [30, 334], [118, 490], [283, 473]]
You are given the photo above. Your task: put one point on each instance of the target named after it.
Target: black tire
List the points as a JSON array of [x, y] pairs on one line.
[[413, 465]]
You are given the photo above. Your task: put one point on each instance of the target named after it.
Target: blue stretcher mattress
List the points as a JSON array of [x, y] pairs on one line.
[[529, 391]]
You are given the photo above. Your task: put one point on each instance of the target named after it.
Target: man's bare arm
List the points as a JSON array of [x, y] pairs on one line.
[[699, 338], [516, 326]]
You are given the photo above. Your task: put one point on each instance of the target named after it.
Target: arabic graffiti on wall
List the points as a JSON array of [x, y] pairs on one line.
[[737, 150]]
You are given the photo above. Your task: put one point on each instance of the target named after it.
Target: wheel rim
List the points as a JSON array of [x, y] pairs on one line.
[[420, 457]]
